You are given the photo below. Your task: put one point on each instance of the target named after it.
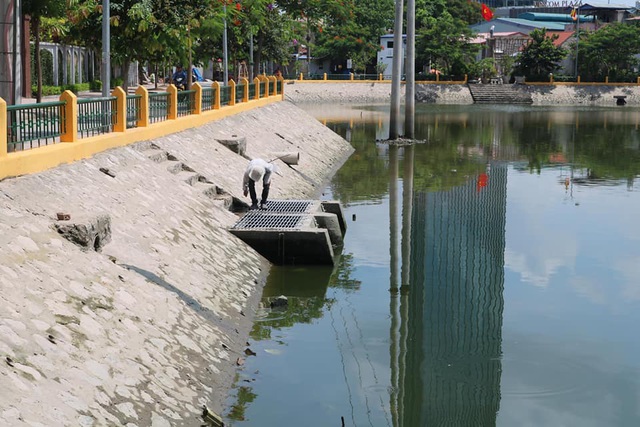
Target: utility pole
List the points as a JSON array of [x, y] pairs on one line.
[[410, 71], [225, 62], [396, 71], [106, 49], [577, 34]]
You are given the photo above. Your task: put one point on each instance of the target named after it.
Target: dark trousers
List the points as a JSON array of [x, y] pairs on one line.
[[254, 197]]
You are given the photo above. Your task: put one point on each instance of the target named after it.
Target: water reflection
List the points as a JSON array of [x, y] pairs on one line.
[[486, 267]]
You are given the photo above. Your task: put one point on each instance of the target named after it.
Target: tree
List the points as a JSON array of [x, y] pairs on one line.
[[540, 57], [39, 9], [597, 57], [442, 42]]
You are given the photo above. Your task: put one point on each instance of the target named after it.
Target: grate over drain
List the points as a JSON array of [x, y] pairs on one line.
[[258, 219], [289, 206]]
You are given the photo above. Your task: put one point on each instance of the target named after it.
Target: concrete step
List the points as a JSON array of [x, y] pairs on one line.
[[499, 94]]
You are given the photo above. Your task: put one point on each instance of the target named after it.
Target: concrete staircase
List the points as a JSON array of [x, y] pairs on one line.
[[499, 94]]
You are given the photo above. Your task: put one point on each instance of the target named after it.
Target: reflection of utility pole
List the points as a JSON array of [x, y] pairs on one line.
[[407, 209], [393, 281]]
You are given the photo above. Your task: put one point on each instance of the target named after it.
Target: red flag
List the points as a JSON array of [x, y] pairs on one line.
[[487, 14]]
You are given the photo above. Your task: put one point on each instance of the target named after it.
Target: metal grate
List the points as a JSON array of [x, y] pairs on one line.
[[289, 206], [261, 220]]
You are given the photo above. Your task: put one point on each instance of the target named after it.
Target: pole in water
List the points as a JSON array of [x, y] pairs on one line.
[[342, 418]]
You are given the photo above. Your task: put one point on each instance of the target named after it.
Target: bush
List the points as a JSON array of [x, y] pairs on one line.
[[57, 90], [118, 81], [95, 86]]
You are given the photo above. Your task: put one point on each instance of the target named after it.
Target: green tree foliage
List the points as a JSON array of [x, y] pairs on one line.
[[540, 57], [610, 51], [442, 42]]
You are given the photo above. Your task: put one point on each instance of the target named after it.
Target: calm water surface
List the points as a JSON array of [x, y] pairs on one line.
[[490, 276]]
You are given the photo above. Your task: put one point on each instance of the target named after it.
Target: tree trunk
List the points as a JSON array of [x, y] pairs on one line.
[[256, 64], [125, 82], [36, 32]]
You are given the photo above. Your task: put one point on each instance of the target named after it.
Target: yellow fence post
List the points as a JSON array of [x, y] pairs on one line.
[[216, 95], [232, 92], [380, 76], [121, 109], [606, 80], [172, 114], [69, 131], [301, 76], [3, 128], [245, 92], [578, 79], [256, 82], [143, 116], [466, 79], [638, 81], [351, 76], [324, 77], [437, 77], [197, 108]]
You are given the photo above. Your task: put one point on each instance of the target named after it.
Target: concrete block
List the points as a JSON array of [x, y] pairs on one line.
[[90, 233]]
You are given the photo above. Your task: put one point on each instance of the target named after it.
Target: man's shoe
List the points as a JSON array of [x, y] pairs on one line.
[[253, 207], [263, 206]]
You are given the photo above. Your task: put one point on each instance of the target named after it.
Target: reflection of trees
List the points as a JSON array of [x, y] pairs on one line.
[[305, 309], [342, 279], [363, 176], [244, 396], [609, 155]]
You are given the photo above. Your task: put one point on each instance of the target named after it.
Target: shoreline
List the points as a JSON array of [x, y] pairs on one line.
[[149, 329], [371, 92]]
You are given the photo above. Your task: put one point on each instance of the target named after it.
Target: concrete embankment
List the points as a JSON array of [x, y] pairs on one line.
[[148, 329], [372, 92]]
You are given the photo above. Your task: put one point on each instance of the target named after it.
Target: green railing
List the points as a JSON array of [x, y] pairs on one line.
[[225, 95], [270, 84], [133, 110], [279, 86], [262, 90], [329, 77], [158, 106], [252, 90], [96, 116], [35, 125], [186, 102], [208, 96], [239, 93]]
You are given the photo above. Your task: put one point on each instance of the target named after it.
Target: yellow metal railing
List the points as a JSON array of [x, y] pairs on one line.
[[69, 144]]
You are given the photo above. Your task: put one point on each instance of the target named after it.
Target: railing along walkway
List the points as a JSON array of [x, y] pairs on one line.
[[38, 128]]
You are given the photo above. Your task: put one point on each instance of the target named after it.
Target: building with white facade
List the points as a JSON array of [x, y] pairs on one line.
[[385, 55]]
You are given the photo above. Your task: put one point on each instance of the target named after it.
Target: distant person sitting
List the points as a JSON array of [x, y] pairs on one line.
[[258, 169], [180, 78]]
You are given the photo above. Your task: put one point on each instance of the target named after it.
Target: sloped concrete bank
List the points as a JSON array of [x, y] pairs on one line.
[[361, 93], [150, 328]]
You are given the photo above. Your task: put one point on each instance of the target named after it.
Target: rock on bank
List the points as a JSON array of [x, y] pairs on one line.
[[148, 330]]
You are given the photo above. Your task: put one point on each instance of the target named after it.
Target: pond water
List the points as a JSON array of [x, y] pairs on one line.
[[490, 276]]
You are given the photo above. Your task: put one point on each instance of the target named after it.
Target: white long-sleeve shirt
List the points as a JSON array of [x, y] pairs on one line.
[[268, 169]]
